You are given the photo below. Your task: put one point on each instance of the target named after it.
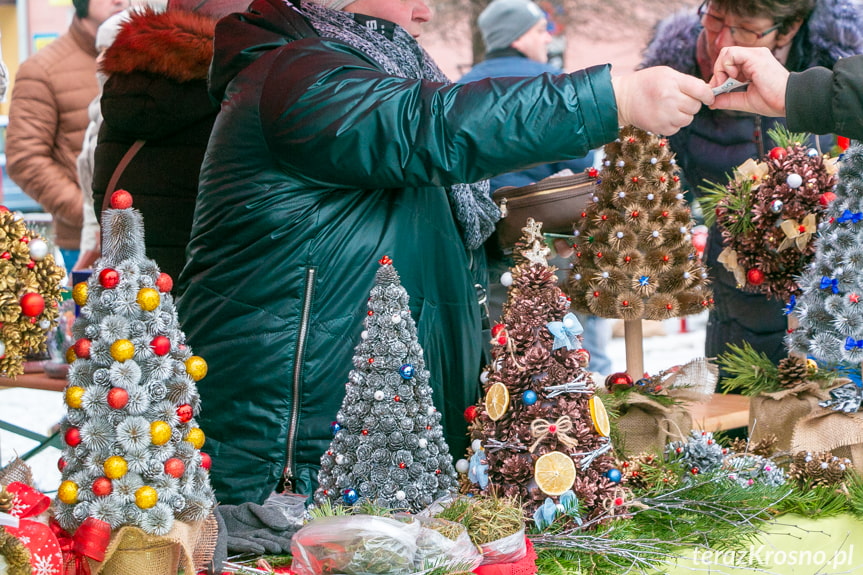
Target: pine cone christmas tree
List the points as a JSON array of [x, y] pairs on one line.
[[634, 257], [830, 309], [540, 432], [389, 447], [699, 454], [769, 215], [29, 292], [132, 454]]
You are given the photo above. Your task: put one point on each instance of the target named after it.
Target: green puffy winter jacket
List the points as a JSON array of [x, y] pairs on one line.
[[318, 165]]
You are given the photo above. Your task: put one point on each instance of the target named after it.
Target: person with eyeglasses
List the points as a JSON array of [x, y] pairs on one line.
[[817, 100], [800, 34]]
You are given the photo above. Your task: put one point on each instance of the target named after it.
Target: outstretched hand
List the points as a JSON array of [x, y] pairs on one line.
[[767, 79], [659, 99]]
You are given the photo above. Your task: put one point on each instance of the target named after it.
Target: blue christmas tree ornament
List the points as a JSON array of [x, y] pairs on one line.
[[349, 496], [529, 397], [614, 474], [406, 371], [335, 427]]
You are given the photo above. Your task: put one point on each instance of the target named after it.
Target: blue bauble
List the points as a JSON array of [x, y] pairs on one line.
[[335, 427], [529, 397], [614, 475], [406, 371], [349, 496]]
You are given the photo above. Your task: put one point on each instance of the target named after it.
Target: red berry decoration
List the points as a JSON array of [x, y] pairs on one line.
[[109, 278], [32, 304], [118, 397], [206, 461], [161, 345], [82, 348], [174, 467], [121, 200], [164, 283], [470, 413], [184, 412], [755, 276], [778, 153], [102, 486], [72, 437]]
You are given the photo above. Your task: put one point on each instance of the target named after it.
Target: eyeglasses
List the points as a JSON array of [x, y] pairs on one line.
[[743, 36]]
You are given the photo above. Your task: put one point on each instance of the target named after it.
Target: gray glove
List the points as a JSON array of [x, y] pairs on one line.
[[253, 528]]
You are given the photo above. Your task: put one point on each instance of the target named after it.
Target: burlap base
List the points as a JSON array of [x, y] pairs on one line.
[[135, 552], [778, 413], [647, 425], [834, 431], [205, 545]]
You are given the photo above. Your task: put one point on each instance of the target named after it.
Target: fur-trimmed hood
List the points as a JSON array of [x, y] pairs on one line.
[[174, 44], [833, 30]]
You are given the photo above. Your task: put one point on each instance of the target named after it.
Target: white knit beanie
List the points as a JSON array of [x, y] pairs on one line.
[[337, 5]]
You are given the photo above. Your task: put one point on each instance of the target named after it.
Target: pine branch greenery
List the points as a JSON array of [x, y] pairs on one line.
[[737, 199], [751, 371], [784, 138], [817, 501]]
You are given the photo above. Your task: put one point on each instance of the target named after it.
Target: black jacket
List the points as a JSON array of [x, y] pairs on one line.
[[820, 100]]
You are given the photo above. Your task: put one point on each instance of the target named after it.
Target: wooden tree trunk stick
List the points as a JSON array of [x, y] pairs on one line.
[[633, 341], [794, 323]]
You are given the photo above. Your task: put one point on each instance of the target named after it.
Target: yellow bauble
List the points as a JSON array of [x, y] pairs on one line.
[[122, 349], [195, 437], [160, 432], [68, 492], [196, 367], [80, 293], [148, 299], [70, 354], [811, 364], [74, 396], [115, 467], [146, 497]]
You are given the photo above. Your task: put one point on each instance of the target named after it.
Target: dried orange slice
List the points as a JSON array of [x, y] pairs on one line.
[[497, 401], [599, 416], [554, 473]]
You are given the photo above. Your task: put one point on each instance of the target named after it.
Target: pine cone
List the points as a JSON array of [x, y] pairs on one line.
[[6, 500], [764, 447], [818, 469], [793, 371]]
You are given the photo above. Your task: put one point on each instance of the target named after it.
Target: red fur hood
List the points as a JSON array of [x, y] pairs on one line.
[[177, 45]]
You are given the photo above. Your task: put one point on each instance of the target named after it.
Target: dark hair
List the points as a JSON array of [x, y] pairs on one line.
[[783, 12], [82, 8]]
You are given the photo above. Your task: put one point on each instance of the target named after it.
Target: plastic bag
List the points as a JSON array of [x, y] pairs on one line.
[[504, 550], [355, 545], [436, 545], [292, 506]]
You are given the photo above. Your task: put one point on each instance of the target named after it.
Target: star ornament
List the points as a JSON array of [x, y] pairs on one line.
[[798, 234], [566, 332]]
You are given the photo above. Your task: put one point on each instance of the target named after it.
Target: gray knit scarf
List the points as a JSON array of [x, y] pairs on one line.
[[403, 57]]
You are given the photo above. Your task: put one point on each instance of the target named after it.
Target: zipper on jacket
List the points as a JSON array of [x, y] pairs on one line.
[[299, 356]]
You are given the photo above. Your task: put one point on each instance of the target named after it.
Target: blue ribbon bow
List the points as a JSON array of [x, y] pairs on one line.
[[851, 343], [789, 307], [827, 282], [566, 332], [849, 216]]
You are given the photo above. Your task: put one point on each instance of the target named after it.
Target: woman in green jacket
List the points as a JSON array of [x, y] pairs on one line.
[[339, 141]]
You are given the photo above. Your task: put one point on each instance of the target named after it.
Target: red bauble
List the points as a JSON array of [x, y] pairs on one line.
[[164, 283], [161, 345], [592, 172], [826, 198], [470, 413], [174, 467], [4, 209], [755, 276], [61, 463], [32, 304], [778, 153], [496, 329], [109, 278], [82, 348], [206, 461], [618, 380], [72, 437], [102, 486], [184, 412], [118, 397], [121, 200]]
